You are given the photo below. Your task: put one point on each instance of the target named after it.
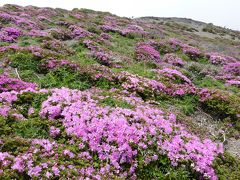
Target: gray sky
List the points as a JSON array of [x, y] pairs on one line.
[[220, 12]]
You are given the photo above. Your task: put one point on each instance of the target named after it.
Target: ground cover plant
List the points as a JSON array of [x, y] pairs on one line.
[[90, 95]]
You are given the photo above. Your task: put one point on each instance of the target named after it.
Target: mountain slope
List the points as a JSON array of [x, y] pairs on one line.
[[86, 94]]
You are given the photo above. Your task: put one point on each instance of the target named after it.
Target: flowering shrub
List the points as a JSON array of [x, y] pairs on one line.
[[230, 74], [233, 82], [7, 48], [145, 52], [78, 32], [94, 122], [193, 52], [9, 84], [222, 104], [175, 83], [37, 33], [53, 64], [174, 74], [102, 56], [9, 34], [57, 46], [115, 128], [105, 36], [176, 44], [43, 18], [232, 68], [5, 17], [109, 28], [112, 135], [132, 30], [25, 23], [216, 58], [173, 59]]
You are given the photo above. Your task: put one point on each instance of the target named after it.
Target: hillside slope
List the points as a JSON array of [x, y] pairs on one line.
[[90, 95]]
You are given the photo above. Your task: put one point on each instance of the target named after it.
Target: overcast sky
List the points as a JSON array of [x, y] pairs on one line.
[[219, 12]]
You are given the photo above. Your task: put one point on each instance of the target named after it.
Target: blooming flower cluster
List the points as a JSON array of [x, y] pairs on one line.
[[169, 81], [96, 51], [19, 19], [230, 74], [25, 23], [5, 17], [7, 109], [191, 51], [37, 33], [173, 59], [112, 135], [173, 74], [53, 64], [9, 34], [232, 68], [43, 18], [133, 29], [145, 52], [217, 58], [118, 131], [177, 83], [56, 46], [105, 36], [109, 28], [112, 132], [7, 48], [13, 84], [78, 32], [176, 43], [35, 50], [111, 25]]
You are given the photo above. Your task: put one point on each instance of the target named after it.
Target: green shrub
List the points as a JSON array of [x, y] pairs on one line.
[[109, 101], [223, 105], [227, 167], [5, 127], [27, 100], [104, 83], [93, 29], [31, 128], [15, 144], [25, 61], [65, 77], [162, 169]]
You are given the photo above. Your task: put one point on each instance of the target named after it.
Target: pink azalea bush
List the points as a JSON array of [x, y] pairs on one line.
[[217, 58], [13, 84], [78, 32], [165, 83], [100, 54], [145, 52], [53, 64], [113, 135], [232, 68], [133, 30], [173, 59], [120, 130], [5, 17], [175, 43], [37, 33], [191, 51], [173, 74], [9, 34]]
